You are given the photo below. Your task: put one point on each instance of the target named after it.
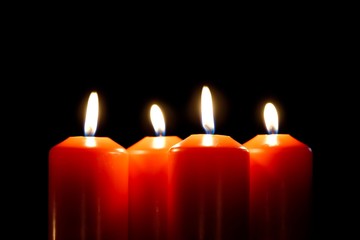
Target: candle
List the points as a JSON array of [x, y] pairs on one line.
[[88, 185], [280, 184], [148, 164], [208, 184]]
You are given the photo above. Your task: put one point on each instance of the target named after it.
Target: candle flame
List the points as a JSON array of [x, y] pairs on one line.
[[157, 119], [207, 115], [271, 118], [92, 113]]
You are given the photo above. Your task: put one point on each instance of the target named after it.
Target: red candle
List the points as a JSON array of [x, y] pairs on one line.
[[208, 184], [148, 164], [280, 184], [88, 185]]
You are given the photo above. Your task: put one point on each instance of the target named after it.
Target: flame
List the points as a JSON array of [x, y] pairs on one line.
[[157, 119], [271, 118], [92, 113], [207, 115]]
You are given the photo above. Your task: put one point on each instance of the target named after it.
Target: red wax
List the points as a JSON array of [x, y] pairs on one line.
[[280, 188], [88, 190], [208, 188], [148, 165]]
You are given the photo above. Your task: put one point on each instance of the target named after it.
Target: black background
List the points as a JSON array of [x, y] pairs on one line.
[[131, 63]]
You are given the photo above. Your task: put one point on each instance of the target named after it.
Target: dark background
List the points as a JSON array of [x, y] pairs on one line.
[[287, 59]]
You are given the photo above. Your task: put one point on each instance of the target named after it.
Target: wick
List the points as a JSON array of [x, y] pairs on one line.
[[208, 130], [272, 130], [161, 133]]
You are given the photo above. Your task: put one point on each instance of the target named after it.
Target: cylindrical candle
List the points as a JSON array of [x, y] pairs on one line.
[[88, 187], [280, 184], [208, 184], [148, 165]]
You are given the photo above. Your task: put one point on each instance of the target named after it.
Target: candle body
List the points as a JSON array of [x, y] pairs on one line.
[[208, 188], [88, 190], [280, 188], [148, 165]]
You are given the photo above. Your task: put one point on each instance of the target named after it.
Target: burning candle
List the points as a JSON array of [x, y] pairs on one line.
[[208, 184], [88, 185], [148, 164], [280, 184]]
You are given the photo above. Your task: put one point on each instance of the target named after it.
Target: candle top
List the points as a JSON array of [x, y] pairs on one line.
[[208, 140], [154, 143], [81, 142], [273, 141]]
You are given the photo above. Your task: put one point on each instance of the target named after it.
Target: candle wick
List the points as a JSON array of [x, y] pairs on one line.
[[272, 130], [90, 132], [161, 133], [208, 129]]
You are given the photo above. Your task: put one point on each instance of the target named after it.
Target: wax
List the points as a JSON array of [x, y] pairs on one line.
[[208, 188], [88, 190]]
